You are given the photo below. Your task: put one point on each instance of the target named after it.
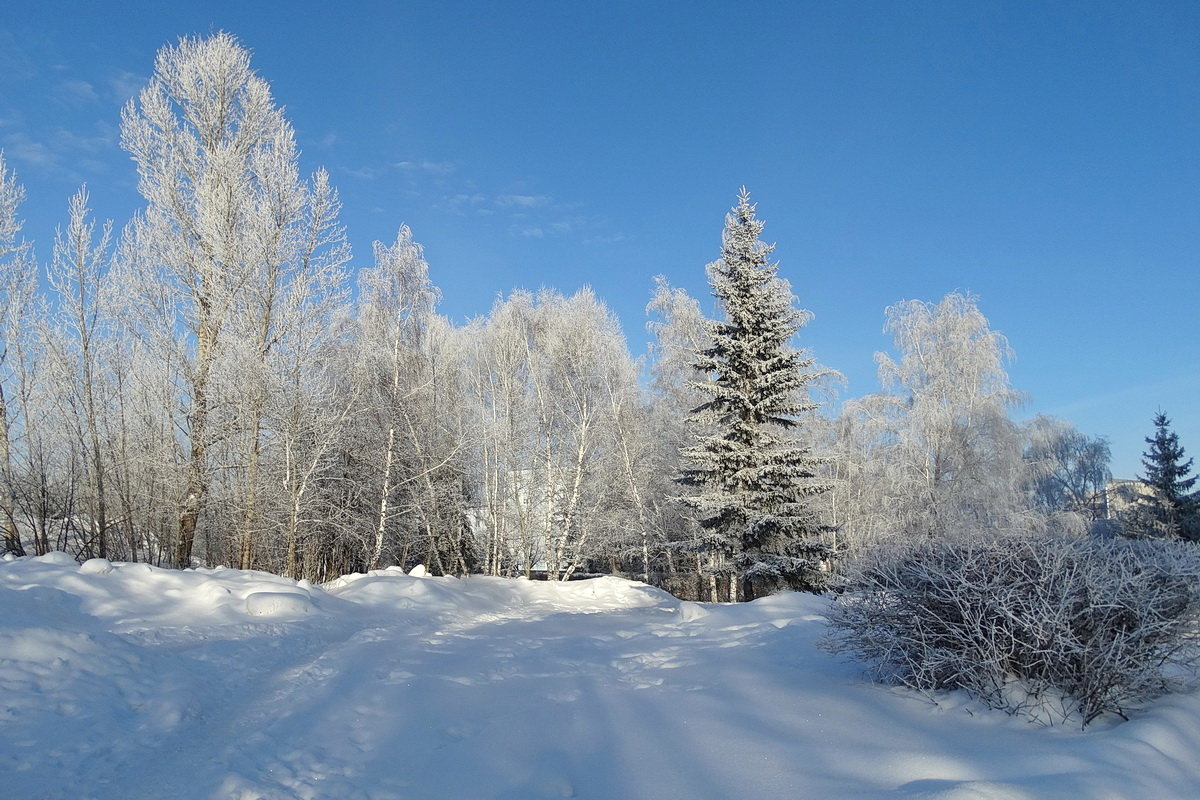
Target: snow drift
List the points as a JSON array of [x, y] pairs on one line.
[[121, 681]]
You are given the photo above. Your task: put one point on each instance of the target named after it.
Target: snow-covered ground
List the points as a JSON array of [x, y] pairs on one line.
[[123, 681]]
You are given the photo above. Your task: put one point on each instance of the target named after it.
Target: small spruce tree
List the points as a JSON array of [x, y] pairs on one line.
[[1166, 509], [755, 481]]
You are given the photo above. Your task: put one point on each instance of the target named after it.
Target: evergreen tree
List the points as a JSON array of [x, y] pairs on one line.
[[756, 481], [1166, 508]]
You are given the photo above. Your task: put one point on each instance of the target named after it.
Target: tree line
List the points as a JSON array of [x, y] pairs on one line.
[[215, 384]]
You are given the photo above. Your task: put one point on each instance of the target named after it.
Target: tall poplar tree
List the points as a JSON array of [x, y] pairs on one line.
[[232, 248], [756, 481]]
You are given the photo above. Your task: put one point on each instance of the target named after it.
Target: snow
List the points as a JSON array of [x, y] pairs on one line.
[[96, 566], [277, 604], [123, 681]]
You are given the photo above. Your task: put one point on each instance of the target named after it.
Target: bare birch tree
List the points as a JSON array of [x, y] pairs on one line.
[[499, 365], [77, 273], [298, 280], [680, 329], [937, 454], [18, 279], [396, 303]]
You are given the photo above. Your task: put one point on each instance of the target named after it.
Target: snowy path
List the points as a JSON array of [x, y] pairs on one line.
[[144, 683]]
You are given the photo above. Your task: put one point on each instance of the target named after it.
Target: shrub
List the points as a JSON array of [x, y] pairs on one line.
[[1052, 628]]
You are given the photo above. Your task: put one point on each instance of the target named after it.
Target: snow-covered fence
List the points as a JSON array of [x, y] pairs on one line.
[[1052, 628]]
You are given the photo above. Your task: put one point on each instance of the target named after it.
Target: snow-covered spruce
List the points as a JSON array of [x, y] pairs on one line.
[[1165, 508], [756, 482], [1052, 628]]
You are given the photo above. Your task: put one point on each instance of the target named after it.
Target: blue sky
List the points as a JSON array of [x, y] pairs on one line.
[[1043, 156]]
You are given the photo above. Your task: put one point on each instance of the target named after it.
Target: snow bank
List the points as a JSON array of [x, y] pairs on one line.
[[277, 604], [126, 681], [481, 595]]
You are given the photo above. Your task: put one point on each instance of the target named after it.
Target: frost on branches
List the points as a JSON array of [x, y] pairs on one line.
[[1053, 628], [755, 480]]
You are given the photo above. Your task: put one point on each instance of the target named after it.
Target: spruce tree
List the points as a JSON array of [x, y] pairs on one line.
[[756, 482], [1166, 508]]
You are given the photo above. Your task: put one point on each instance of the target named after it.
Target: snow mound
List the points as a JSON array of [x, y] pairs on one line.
[[57, 557], [96, 566], [600, 594], [392, 589], [277, 604]]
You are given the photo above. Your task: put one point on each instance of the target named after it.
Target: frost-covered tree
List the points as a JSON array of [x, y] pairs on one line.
[[939, 453], [78, 274], [439, 433], [589, 445], [756, 484], [1068, 470], [679, 330], [229, 230], [296, 283], [18, 280], [958, 447], [1165, 508], [396, 305], [312, 415], [634, 512], [499, 353], [560, 439]]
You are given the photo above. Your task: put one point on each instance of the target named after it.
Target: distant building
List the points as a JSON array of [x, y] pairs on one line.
[[1121, 494]]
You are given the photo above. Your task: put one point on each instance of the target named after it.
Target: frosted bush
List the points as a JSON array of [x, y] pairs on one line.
[[1051, 628]]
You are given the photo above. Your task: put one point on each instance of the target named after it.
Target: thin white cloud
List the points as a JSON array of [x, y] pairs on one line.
[[103, 137], [518, 211], [363, 173], [604, 238], [64, 152], [19, 147], [523, 200], [15, 64], [463, 202], [125, 85], [568, 225], [436, 168], [76, 93]]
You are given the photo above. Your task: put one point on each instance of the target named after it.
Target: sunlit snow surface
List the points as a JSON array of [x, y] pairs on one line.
[[121, 681]]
